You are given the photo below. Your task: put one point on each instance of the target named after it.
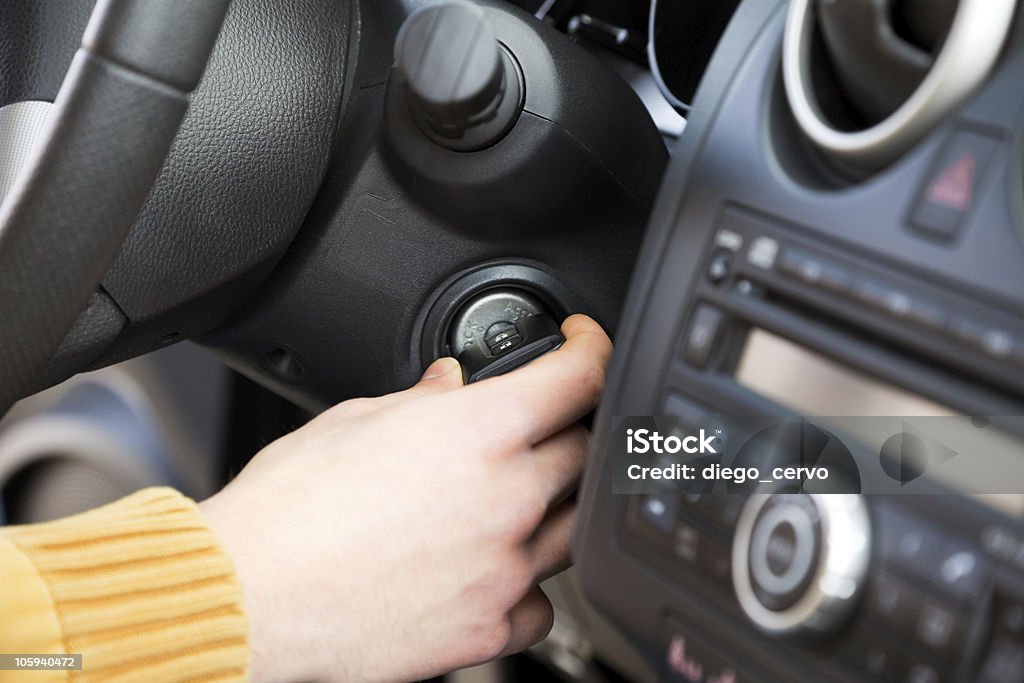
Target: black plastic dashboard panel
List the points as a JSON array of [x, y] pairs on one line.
[[398, 216], [743, 166], [282, 149], [243, 171]]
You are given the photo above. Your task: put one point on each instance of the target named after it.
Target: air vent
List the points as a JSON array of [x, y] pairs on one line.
[[866, 80]]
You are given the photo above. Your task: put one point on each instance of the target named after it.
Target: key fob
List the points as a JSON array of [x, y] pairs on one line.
[[508, 346]]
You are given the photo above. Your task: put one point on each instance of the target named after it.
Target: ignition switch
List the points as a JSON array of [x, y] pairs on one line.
[[500, 330]]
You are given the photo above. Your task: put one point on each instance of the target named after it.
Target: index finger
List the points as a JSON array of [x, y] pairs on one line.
[[558, 388]]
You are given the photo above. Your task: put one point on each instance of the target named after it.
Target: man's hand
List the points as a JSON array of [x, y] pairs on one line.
[[400, 537]]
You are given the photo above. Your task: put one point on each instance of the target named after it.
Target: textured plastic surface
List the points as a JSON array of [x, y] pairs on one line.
[[580, 149], [345, 309], [62, 222], [38, 38], [245, 166], [88, 337], [568, 189], [168, 41]]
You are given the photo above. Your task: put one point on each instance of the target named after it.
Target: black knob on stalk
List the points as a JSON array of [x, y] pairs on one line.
[[463, 87]]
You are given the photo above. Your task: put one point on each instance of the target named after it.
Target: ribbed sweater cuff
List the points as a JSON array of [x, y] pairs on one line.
[[143, 590]]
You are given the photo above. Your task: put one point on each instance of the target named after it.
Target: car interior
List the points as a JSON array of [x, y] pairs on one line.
[[795, 218]]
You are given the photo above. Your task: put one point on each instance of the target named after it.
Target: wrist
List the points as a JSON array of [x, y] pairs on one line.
[[229, 526]]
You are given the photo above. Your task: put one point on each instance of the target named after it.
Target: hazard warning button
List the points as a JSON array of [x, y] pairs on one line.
[[953, 185]]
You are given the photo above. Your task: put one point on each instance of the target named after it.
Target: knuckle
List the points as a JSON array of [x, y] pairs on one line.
[[580, 439], [512, 435], [520, 577], [592, 379], [501, 438], [524, 515], [509, 579], [353, 407], [491, 641]]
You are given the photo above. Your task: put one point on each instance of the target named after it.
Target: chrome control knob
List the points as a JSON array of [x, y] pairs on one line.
[[799, 562]]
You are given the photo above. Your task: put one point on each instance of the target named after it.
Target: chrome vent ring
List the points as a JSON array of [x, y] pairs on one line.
[[968, 54]]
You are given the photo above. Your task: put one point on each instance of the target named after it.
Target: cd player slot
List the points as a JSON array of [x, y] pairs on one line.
[[970, 335], [859, 349], [945, 349]]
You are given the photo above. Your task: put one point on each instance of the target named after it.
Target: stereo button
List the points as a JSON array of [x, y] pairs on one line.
[[951, 188], [909, 544], [992, 340], [815, 271], [871, 652], [937, 628], [963, 573], [718, 510], [899, 304], [762, 252], [926, 315], [702, 554], [719, 267], [659, 510], [878, 296], [888, 600], [705, 327]]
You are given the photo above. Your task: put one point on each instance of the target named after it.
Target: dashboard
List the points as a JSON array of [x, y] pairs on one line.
[[837, 286]]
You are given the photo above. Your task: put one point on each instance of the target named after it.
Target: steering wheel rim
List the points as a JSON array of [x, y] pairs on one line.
[[109, 132]]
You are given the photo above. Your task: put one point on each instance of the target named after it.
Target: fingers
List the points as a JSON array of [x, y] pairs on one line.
[[560, 460], [540, 399], [551, 544], [556, 463], [559, 388], [530, 621]]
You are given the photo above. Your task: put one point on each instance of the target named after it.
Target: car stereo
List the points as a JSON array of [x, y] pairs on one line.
[[775, 284]]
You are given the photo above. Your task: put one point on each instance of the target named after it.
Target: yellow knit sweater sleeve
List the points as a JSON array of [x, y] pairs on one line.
[[140, 587]]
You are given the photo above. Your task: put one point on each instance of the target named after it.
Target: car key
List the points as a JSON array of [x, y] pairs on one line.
[[507, 346]]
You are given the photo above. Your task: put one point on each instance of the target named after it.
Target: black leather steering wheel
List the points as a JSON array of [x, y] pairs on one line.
[[108, 135]]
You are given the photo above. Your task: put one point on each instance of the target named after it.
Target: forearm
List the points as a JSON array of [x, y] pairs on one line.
[[140, 587]]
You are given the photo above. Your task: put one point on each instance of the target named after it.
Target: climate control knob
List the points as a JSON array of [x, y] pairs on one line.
[[799, 562]]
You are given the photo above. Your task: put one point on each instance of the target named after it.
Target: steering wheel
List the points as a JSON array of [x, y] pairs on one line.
[[285, 229], [108, 134]]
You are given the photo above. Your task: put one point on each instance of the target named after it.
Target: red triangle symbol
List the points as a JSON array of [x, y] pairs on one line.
[[953, 188]]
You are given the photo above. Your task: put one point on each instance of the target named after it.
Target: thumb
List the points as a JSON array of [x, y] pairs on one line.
[[443, 374]]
